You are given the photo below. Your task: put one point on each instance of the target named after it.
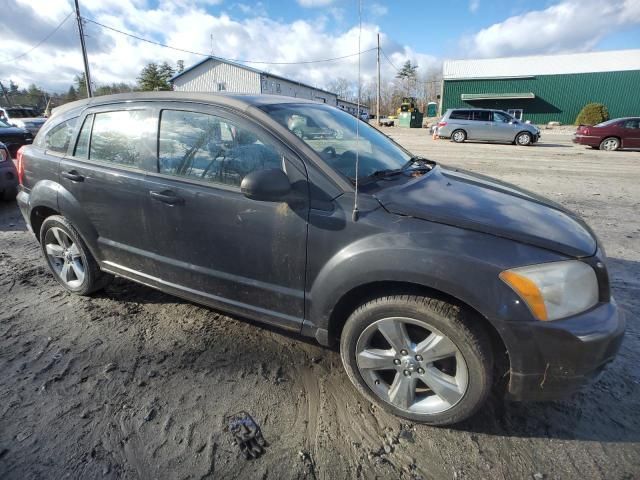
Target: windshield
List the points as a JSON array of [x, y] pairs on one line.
[[332, 134], [4, 124], [19, 113]]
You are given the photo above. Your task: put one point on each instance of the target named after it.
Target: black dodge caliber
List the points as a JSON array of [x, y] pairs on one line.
[[436, 284]]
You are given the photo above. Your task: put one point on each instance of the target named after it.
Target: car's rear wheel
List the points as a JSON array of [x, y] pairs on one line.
[[524, 139], [610, 144], [68, 257], [420, 358], [459, 136]]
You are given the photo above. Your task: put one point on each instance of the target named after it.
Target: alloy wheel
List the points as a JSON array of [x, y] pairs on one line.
[[64, 256], [458, 136], [524, 139], [411, 365], [610, 144]]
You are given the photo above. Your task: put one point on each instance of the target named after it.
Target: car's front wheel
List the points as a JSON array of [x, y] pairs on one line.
[[420, 358], [524, 139], [610, 144], [68, 257]]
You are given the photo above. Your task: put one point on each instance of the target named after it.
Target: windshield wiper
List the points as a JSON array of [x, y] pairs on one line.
[[388, 172], [422, 162]]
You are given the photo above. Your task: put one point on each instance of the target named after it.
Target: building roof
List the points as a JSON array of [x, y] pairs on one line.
[[513, 67], [251, 69]]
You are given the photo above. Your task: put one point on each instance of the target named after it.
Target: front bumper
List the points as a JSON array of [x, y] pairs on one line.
[[557, 358]]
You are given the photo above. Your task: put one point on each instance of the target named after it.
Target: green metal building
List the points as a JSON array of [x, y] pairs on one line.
[[546, 88]]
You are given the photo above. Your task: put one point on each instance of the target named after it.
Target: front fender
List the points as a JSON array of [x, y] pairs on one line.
[[460, 263]]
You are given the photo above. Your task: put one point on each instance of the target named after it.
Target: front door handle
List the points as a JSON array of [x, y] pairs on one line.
[[73, 176], [166, 196]]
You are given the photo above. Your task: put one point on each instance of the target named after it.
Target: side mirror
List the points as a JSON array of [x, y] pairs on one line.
[[270, 185]]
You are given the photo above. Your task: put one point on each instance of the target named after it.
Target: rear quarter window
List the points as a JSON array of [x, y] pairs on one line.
[[459, 115], [57, 138]]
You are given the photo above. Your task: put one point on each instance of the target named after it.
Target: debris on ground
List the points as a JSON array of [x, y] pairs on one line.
[[247, 434]]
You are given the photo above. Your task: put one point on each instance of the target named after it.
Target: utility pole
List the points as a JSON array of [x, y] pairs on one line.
[[87, 76], [378, 86], [5, 95]]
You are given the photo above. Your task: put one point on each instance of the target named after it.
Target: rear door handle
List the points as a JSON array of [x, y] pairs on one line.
[[73, 176], [166, 196]]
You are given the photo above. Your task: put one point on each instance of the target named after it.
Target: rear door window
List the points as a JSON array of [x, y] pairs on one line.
[[119, 137], [459, 115], [482, 115], [209, 148], [82, 145], [634, 123]]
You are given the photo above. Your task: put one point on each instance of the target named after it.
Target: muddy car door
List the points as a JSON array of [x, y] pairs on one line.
[[216, 244], [103, 182]]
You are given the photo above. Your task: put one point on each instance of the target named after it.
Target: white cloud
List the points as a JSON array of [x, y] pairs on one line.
[[315, 3], [568, 26], [378, 10], [474, 5], [115, 58]]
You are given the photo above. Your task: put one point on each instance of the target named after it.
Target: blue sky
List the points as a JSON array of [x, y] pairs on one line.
[[425, 32]]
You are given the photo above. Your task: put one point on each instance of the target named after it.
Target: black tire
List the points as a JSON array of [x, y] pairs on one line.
[[94, 279], [458, 136], [610, 144], [453, 322], [524, 139], [10, 194]]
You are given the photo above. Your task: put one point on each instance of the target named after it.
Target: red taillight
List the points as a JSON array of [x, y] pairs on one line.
[[442, 124], [20, 166]]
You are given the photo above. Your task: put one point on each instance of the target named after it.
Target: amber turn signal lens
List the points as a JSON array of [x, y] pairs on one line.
[[528, 291]]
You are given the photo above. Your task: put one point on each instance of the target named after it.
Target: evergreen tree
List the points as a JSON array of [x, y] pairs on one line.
[[155, 77]]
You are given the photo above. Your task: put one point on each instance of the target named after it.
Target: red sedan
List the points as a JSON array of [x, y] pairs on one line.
[[610, 135]]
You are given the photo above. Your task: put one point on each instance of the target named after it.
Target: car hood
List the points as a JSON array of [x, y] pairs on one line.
[[483, 204], [11, 131]]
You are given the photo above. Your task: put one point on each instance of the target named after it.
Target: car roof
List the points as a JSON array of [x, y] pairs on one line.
[[471, 108], [238, 101]]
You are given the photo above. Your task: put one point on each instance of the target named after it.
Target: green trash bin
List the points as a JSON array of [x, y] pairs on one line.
[[410, 119]]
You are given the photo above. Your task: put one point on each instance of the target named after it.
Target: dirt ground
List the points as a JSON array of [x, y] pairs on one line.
[[133, 383]]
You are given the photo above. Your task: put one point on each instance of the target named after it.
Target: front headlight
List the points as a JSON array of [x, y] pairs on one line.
[[554, 290]]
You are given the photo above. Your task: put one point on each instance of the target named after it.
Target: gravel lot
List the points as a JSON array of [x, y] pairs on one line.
[[133, 383]]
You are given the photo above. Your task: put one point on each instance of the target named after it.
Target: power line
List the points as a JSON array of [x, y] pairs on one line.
[[153, 42], [40, 42]]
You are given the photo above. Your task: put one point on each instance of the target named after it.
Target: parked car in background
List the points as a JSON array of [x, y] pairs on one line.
[[14, 137], [610, 135], [307, 128], [22, 117], [486, 125], [438, 286], [8, 175]]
